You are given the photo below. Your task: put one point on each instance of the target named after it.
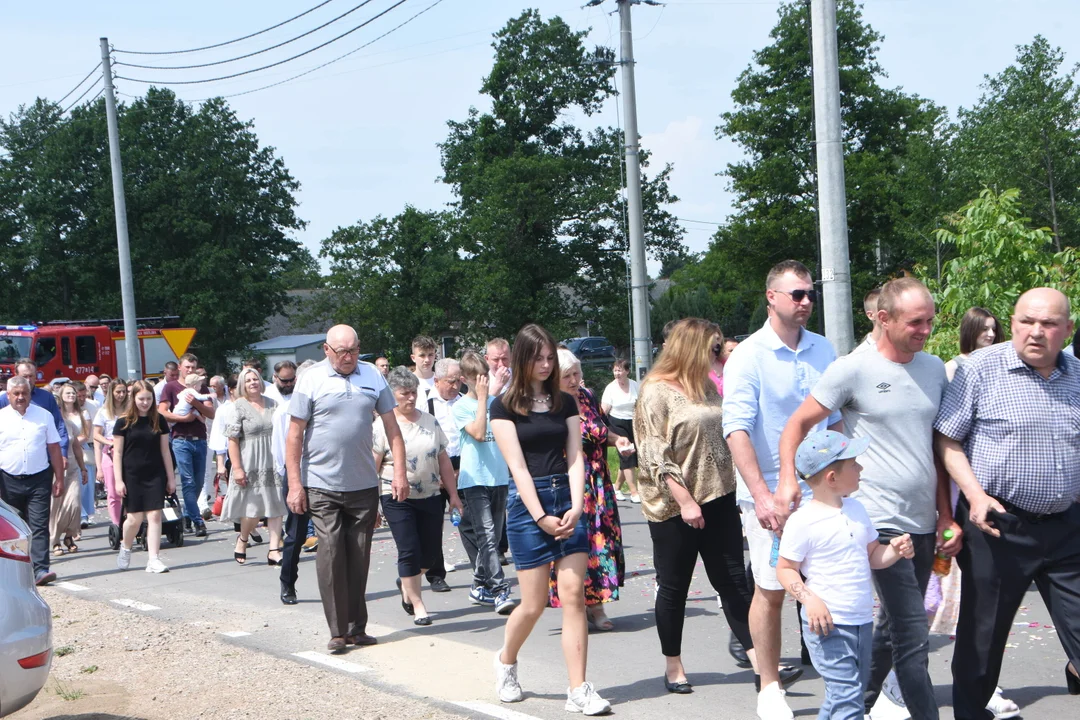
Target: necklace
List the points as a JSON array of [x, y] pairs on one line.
[[542, 399]]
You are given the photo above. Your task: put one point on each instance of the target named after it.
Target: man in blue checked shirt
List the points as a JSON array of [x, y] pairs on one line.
[[1009, 434]]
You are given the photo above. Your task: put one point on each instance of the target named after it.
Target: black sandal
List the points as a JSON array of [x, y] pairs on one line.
[[240, 558], [274, 563], [406, 606]]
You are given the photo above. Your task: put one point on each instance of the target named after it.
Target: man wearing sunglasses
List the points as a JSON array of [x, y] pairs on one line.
[[766, 378]]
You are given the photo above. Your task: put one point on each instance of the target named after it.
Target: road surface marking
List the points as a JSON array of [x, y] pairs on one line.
[[331, 661], [73, 587], [235, 633], [135, 604], [494, 711]]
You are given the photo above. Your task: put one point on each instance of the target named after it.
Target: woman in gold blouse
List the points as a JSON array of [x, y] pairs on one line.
[[687, 487]]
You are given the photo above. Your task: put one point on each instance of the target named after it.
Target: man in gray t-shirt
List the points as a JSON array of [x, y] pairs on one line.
[[891, 394], [331, 471]]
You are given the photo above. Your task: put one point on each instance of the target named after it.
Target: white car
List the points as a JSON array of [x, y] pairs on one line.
[[25, 619]]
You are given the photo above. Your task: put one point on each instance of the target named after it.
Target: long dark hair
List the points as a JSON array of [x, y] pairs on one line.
[[529, 343], [972, 326], [132, 414]]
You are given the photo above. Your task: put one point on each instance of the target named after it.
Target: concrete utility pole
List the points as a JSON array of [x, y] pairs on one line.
[[832, 200], [127, 287], [639, 280]]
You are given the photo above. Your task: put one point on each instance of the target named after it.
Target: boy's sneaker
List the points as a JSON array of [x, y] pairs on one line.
[[503, 604], [1002, 707], [771, 704], [154, 565], [507, 686], [311, 544], [585, 701], [481, 596], [123, 560]]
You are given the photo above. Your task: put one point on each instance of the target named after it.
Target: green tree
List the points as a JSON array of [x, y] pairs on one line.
[[679, 303], [210, 217], [998, 257], [541, 217], [1025, 133], [395, 278], [889, 141]]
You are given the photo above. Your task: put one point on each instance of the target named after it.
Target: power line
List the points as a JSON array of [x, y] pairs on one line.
[[700, 222], [229, 42], [250, 54], [91, 87], [339, 57], [265, 67], [96, 68]]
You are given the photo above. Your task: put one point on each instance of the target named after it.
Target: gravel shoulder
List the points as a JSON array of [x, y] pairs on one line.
[[112, 664]]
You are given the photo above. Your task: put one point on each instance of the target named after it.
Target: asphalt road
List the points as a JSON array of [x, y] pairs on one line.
[[449, 663]]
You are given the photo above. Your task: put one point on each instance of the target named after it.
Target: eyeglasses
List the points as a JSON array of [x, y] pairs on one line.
[[286, 381], [345, 352], [800, 295]]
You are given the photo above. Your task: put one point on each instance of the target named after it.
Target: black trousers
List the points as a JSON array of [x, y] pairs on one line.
[[31, 496], [676, 547], [437, 569], [995, 575], [417, 529], [295, 534]]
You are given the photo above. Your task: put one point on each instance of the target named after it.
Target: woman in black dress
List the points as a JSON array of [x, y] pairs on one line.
[[143, 473]]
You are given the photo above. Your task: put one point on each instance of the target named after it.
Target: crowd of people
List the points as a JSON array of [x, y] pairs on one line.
[[842, 477]]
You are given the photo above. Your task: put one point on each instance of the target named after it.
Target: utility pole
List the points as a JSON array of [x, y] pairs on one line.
[[127, 286], [639, 281], [832, 200]]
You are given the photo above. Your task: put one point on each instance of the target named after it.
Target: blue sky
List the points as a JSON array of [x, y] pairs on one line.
[[361, 134]]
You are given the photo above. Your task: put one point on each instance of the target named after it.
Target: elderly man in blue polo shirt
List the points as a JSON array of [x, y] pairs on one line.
[[766, 379], [331, 472]]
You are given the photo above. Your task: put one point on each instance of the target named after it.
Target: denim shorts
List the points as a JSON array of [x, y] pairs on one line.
[[531, 546]]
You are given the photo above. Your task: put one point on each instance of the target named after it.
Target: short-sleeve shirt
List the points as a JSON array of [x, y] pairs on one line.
[[622, 403], [142, 448], [424, 440], [1020, 431], [194, 429], [894, 404], [24, 440], [482, 463], [339, 412], [106, 423], [542, 436], [831, 545]]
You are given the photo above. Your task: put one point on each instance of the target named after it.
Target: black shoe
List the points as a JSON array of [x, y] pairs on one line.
[[422, 621], [682, 687], [255, 537], [502, 560], [439, 585], [735, 649], [1071, 680], [406, 606], [788, 674], [288, 594], [187, 525]]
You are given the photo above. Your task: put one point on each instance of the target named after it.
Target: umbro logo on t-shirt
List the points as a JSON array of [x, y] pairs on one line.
[[883, 387]]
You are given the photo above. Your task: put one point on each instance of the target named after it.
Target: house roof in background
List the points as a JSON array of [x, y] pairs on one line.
[[288, 342]]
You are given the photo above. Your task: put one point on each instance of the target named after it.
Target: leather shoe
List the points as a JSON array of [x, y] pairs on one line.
[[288, 594], [1071, 680], [736, 650], [336, 645], [362, 640], [679, 687], [439, 585], [788, 674]]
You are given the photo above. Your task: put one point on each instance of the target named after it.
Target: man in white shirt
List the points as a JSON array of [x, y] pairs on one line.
[[869, 304], [423, 355], [31, 469], [170, 373], [440, 403]]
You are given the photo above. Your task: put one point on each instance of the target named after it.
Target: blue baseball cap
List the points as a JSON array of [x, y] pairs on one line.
[[821, 449]]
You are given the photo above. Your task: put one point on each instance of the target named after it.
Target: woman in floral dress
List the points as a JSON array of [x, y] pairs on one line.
[[607, 566]]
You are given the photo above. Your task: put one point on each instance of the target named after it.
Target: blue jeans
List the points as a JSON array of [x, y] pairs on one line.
[[842, 658], [86, 492], [481, 526], [190, 454], [901, 630]]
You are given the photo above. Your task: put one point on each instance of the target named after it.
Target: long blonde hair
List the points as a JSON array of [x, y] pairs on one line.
[[685, 358], [76, 408]]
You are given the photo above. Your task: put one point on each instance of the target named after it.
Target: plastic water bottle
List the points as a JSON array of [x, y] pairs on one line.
[[455, 517], [943, 563], [774, 554]]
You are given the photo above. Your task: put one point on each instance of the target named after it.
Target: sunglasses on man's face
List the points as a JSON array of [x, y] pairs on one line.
[[800, 295]]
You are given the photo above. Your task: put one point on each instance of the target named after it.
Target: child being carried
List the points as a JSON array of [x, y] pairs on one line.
[[189, 394]]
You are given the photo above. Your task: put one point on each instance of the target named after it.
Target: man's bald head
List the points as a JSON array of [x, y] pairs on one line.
[[341, 336], [342, 348], [1040, 326]]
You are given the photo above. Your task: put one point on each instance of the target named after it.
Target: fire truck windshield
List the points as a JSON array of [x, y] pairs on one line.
[[13, 347]]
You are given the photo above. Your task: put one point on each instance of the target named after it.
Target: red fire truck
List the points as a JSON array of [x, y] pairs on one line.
[[77, 348]]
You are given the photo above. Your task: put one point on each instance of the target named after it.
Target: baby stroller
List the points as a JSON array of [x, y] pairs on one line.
[[172, 526]]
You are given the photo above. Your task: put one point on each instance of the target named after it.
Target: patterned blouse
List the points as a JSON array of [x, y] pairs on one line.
[[684, 441], [424, 440]]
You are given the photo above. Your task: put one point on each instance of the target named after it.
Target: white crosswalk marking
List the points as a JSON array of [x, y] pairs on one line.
[[331, 661]]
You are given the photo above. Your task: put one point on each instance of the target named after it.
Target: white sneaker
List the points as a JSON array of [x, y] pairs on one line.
[[154, 565], [123, 560], [886, 709], [1002, 707], [890, 688], [619, 495], [506, 680], [584, 700], [771, 704], [449, 566]]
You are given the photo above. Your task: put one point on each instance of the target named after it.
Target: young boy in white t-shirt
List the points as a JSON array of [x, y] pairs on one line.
[[831, 542]]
